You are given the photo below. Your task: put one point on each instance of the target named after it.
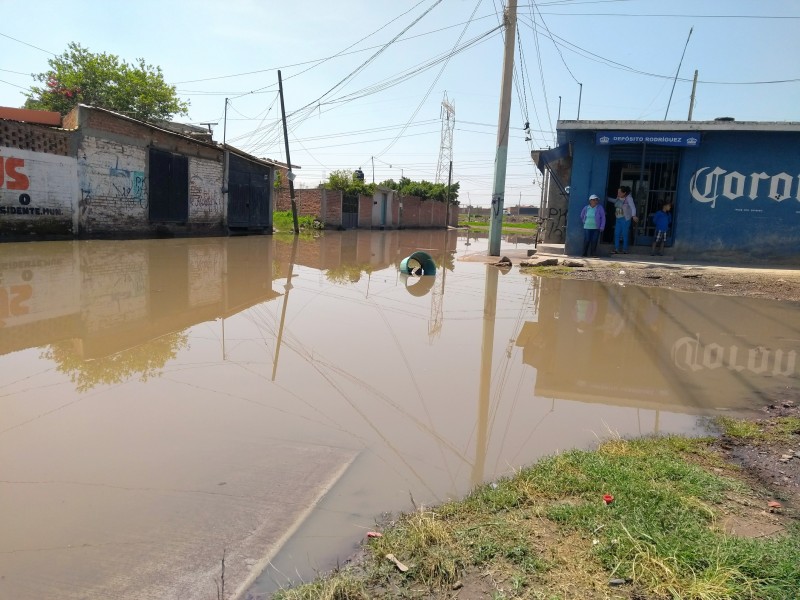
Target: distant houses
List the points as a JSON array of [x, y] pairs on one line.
[[99, 174]]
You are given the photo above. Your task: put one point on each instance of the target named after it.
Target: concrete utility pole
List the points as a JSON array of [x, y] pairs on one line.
[[691, 100], [290, 175], [501, 156]]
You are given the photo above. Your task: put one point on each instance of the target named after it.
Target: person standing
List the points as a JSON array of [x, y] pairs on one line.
[[624, 212], [594, 221], [662, 220]]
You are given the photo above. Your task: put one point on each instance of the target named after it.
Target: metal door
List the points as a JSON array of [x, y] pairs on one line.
[[248, 195], [168, 196], [350, 211]]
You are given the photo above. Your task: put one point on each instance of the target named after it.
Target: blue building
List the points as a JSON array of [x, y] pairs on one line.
[[734, 187]]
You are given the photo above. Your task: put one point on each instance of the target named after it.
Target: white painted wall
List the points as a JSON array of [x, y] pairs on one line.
[[377, 203], [36, 186]]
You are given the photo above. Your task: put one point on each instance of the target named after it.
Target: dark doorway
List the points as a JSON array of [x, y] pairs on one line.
[[652, 174], [350, 211], [169, 187], [249, 197]]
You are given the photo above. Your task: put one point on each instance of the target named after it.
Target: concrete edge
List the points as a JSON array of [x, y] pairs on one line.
[[262, 564]]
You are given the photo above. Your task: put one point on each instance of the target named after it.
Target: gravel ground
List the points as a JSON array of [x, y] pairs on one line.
[[775, 284]]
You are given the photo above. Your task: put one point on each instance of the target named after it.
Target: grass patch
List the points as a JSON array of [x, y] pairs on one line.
[[779, 429], [548, 530], [282, 221], [506, 224]]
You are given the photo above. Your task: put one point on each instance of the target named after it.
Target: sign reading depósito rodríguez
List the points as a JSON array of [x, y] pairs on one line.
[[686, 139]]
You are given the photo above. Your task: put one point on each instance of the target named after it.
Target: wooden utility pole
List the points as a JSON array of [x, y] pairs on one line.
[[501, 156], [290, 175]]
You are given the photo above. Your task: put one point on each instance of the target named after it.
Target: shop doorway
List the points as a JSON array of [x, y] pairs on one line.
[[652, 174]]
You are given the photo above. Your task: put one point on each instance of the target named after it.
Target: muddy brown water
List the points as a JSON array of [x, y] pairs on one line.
[[163, 402]]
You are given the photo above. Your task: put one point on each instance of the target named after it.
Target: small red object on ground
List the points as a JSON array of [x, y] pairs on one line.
[[774, 504], [608, 498], [374, 534]]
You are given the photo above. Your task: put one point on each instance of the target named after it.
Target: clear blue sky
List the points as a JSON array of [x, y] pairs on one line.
[[386, 109]]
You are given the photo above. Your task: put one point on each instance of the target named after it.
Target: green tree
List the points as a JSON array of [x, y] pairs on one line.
[[137, 90], [345, 181], [423, 189]]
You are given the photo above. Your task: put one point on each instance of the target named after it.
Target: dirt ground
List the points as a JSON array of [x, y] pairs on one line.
[[774, 464], [775, 284]]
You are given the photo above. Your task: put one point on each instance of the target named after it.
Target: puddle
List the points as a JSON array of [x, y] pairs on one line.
[[165, 401]]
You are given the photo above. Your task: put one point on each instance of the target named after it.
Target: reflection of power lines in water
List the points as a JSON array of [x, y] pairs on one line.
[[328, 370]]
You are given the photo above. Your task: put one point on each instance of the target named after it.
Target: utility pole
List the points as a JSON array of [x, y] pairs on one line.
[[290, 175], [691, 101], [501, 156], [373, 168], [225, 159], [580, 95], [447, 198]]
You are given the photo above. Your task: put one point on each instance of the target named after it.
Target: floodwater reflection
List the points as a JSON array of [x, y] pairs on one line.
[[163, 401]]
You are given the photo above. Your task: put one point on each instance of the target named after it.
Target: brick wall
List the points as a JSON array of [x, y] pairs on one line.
[[113, 187], [410, 212], [333, 208], [205, 191], [365, 204], [36, 138], [116, 127], [309, 201]]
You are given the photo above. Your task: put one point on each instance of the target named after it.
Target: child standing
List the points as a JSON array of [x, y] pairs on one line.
[[662, 220]]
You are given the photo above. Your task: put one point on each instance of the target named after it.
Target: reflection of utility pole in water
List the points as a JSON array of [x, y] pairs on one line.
[[224, 298], [288, 288], [487, 348], [437, 296]]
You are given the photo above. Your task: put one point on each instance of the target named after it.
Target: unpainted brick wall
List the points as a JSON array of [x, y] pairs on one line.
[[409, 216], [365, 211], [140, 134], [333, 208]]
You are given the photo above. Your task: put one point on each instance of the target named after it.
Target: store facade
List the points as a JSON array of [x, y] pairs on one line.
[[734, 187]]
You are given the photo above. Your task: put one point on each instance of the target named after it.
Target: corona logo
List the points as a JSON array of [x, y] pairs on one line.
[[604, 139], [692, 141], [732, 185]]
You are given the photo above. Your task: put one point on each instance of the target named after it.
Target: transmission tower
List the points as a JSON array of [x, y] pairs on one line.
[[448, 115]]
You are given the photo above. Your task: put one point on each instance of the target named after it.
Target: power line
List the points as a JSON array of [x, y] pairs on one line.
[[27, 44]]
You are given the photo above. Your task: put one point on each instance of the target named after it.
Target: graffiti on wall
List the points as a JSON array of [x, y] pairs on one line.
[[103, 179], [204, 196], [35, 184], [556, 224]]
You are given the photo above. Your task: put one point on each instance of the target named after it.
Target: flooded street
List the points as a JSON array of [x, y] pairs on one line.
[[163, 402]]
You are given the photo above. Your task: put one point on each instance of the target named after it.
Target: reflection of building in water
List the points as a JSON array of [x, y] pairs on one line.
[[109, 296], [656, 348], [106, 296], [347, 256]]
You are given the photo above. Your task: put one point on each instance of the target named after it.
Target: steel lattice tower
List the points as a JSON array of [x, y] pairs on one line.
[[448, 115]]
